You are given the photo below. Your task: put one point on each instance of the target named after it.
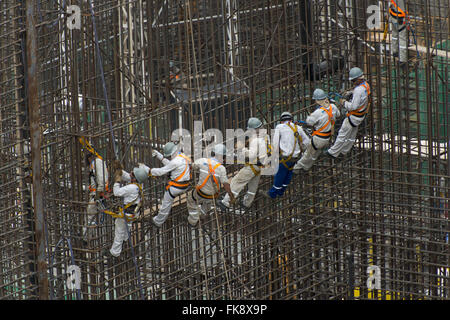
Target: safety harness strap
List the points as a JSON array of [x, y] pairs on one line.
[[396, 11], [256, 171], [122, 209], [212, 171], [175, 183], [299, 140], [361, 111], [330, 119]]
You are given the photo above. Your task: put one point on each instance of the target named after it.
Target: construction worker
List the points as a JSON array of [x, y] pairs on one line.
[[290, 140], [322, 120], [356, 111], [178, 165], [212, 175], [250, 174], [397, 19], [98, 186], [131, 193]]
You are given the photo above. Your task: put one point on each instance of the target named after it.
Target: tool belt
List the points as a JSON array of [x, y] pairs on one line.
[[206, 196]]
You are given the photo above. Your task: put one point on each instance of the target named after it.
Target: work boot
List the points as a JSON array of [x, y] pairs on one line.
[[326, 153], [154, 223], [265, 194], [223, 208]]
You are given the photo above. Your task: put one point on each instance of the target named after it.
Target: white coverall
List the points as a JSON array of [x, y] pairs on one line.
[[178, 167], [319, 119], [250, 174], [347, 133], [129, 193], [399, 43], [98, 182], [288, 145], [197, 203]]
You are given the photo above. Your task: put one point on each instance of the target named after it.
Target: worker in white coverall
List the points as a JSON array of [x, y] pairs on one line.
[[98, 186], [131, 193], [322, 120], [289, 139], [397, 18], [178, 166], [212, 175], [355, 110], [250, 174]]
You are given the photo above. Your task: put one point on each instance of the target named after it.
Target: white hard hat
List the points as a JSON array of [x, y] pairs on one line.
[[140, 174], [220, 149], [286, 116], [169, 149], [319, 94], [355, 73], [254, 123]]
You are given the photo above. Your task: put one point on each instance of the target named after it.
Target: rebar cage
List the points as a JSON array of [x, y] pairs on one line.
[[128, 73]]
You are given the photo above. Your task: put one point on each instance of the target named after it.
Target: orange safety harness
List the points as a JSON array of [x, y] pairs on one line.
[[361, 112], [212, 171], [175, 183], [395, 11], [330, 119]]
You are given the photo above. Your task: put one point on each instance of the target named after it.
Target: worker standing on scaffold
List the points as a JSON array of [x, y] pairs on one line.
[[178, 165], [290, 139], [356, 111], [98, 186], [212, 175], [397, 18], [132, 196]]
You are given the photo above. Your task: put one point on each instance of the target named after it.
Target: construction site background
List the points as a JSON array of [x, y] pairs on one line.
[[373, 225]]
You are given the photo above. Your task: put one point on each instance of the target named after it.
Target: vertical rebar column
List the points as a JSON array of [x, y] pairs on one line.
[[35, 134]]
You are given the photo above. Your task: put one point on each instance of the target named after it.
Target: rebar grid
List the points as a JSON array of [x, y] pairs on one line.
[[166, 64]]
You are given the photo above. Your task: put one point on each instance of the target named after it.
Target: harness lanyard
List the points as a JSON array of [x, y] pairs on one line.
[[330, 119], [358, 112]]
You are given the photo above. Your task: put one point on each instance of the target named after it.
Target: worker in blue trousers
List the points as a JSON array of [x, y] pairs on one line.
[[290, 140]]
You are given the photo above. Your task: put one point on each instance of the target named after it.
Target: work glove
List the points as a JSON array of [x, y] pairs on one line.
[[157, 154], [348, 95]]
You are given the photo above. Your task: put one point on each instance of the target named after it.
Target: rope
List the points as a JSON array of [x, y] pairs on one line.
[[134, 261], [102, 75]]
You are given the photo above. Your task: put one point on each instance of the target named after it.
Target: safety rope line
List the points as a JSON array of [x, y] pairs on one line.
[[102, 76]]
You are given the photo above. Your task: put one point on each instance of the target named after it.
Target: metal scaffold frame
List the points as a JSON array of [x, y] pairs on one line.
[[127, 74]]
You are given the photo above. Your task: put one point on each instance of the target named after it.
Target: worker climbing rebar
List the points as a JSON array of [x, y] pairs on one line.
[[178, 166], [398, 21], [290, 139], [322, 120], [132, 196], [212, 175], [250, 175], [98, 186], [355, 111]]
